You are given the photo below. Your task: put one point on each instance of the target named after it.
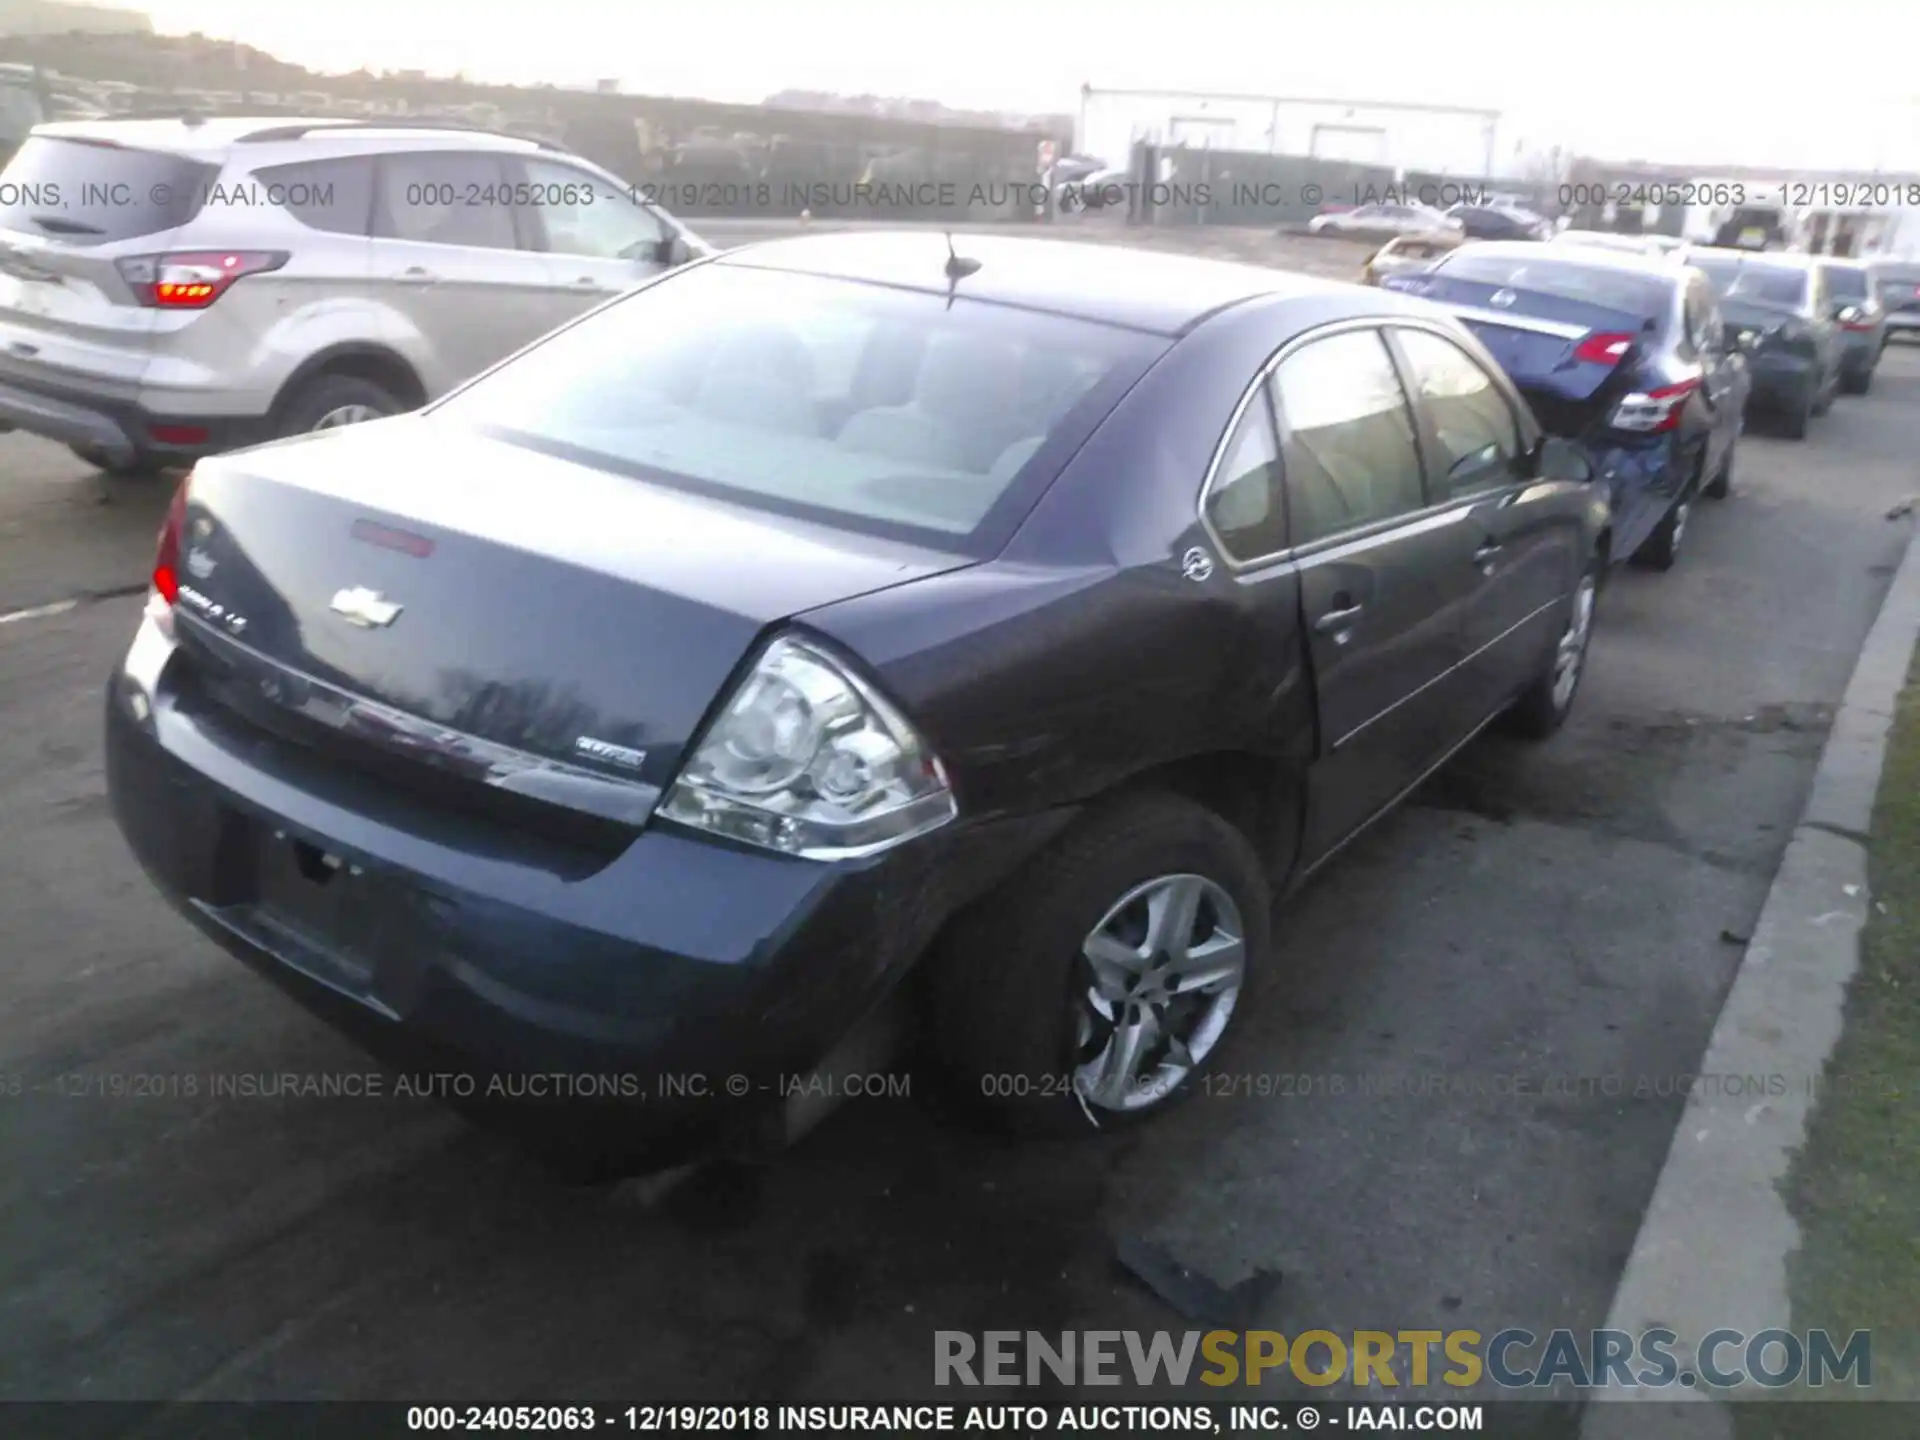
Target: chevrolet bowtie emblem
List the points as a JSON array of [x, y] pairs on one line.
[[365, 608]]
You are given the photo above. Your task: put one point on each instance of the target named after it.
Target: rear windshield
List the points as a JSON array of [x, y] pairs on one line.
[[1769, 284], [1645, 295], [1846, 283], [86, 193], [885, 410]]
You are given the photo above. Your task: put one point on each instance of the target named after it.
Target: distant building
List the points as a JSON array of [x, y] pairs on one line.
[[60, 17], [1455, 141]]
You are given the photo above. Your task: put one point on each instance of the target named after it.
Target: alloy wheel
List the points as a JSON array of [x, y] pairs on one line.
[[345, 415], [1571, 656], [1160, 977]]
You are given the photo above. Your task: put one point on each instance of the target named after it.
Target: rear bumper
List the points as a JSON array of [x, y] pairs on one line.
[[1781, 382], [671, 992], [120, 430], [1861, 348]]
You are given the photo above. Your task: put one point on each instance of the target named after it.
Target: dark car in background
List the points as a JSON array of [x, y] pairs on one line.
[[1854, 303], [832, 610], [1624, 354], [1777, 306], [1897, 283], [1500, 222]]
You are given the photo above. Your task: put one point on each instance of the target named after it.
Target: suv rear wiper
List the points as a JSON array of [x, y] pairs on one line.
[[60, 225]]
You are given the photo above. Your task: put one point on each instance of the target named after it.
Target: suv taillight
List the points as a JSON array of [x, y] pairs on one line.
[[166, 560], [1653, 412], [193, 279]]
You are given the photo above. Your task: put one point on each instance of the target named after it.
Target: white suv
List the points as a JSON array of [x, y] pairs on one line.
[[171, 288]]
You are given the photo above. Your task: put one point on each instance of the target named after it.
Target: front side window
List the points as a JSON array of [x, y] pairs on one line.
[[1347, 443], [853, 404], [581, 214], [1478, 439]]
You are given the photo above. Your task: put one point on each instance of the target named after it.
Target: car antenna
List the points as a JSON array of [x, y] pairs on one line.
[[958, 268]]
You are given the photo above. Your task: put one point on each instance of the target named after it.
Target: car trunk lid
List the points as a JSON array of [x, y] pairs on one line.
[[1571, 358], [474, 605]]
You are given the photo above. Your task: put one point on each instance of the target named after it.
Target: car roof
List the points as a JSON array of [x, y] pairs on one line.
[[1113, 284], [1778, 259], [182, 135], [1599, 257]]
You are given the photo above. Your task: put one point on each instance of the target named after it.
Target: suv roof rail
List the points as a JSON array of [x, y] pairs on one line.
[[302, 128]]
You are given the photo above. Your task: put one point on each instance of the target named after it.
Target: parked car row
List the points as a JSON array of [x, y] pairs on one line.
[[975, 630]]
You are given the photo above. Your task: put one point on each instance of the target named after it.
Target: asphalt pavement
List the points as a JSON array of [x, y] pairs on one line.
[[1458, 1077]]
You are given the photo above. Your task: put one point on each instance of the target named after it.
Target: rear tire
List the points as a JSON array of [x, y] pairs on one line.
[[1014, 1004], [329, 402], [1545, 704], [1795, 420], [1721, 485]]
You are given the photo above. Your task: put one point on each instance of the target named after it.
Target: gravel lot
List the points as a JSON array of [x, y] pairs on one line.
[[1568, 913]]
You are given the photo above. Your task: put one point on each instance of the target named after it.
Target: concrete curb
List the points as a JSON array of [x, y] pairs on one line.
[[1713, 1246]]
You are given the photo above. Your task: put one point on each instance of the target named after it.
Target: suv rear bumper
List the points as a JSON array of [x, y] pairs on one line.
[[123, 433]]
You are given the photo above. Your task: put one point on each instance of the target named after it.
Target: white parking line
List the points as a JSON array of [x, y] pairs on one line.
[[38, 612]]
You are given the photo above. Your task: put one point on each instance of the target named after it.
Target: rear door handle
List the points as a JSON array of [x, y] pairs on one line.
[[1337, 619], [417, 275], [1488, 553]]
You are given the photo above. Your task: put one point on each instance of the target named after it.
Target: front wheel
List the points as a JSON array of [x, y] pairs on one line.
[[1662, 548], [1096, 987], [1545, 704]]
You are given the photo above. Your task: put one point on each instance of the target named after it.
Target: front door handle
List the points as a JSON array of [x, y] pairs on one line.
[[1487, 554], [1334, 620], [416, 275]]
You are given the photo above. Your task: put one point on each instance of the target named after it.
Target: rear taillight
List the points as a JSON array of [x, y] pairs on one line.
[[193, 280], [1653, 412], [1603, 348], [166, 560]]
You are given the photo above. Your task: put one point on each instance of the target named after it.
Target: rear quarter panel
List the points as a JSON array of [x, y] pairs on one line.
[[1082, 655]]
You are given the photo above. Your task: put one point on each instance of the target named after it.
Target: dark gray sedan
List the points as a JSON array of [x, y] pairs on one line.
[[828, 611]]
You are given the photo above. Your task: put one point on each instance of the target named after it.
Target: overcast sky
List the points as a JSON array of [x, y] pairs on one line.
[[1791, 84]]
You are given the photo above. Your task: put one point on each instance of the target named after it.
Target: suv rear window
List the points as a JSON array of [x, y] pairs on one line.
[[897, 412], [1645, 295], [92, 193], [1769, 284], [1844, 282]]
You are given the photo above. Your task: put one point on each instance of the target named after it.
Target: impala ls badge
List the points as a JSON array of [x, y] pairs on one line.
[[365, 608], [1502, 298]]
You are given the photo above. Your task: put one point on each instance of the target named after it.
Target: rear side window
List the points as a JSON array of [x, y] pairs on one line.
[[331, 195], [85, 193], [444, 197], [1845, 283], [1347, 437]]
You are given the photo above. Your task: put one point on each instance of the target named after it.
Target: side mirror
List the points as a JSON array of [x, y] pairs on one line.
[[674, 250], [1559, 459]]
